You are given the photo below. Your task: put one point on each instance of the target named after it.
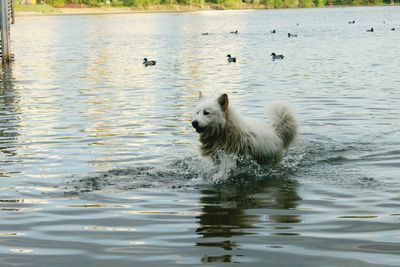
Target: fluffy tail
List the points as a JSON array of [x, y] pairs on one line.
[[284, 122]]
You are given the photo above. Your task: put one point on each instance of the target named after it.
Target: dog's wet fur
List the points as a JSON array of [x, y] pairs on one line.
[[221, 128]]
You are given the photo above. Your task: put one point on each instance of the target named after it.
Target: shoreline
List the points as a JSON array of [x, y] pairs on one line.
[[157, 9], [122, 10]]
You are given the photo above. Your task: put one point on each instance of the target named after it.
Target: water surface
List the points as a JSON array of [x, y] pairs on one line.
[[99, 164]]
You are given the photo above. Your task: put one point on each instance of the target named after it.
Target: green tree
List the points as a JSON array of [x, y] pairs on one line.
[[232, 3], [269, 3], [306, 3], [278, 3], [319, 3], [290, 3]]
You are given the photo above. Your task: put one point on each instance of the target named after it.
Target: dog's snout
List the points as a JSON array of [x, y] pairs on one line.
[[195, 124]]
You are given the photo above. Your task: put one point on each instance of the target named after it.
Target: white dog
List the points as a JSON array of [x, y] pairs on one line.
[[221, 128]]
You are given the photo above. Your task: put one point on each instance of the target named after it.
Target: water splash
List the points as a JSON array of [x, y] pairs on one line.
[[188, 171]]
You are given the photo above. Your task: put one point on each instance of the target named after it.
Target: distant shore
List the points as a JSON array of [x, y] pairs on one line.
[[38, 10], [48, 10]]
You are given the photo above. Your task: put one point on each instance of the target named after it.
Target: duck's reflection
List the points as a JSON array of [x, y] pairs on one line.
[[225, 213]]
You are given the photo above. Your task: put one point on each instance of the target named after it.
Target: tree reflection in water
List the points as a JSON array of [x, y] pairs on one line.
[[8, 119]]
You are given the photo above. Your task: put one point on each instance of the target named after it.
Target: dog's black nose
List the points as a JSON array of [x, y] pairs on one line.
[[195, 124]]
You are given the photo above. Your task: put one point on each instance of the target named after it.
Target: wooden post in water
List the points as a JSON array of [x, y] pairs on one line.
[[5, 34]]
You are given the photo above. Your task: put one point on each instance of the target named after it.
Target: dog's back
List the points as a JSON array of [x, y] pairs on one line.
[[267, 141]]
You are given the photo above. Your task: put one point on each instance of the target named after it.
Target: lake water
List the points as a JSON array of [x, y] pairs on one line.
[[99, 165]]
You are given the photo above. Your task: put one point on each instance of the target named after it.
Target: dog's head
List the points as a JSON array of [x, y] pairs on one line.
[[210, 114]]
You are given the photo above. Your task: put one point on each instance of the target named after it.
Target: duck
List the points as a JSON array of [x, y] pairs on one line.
[[230, 58], [148, 62], [235, 32], [370, 30], [291, 35], [273, 31], [352, 22], [205, 33], [275, 56], [393, 29]]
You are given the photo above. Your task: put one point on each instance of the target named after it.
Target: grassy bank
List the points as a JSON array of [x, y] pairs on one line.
[[36, 9], [49, 10], [101, 9]]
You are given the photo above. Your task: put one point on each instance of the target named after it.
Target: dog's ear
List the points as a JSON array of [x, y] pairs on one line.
[[200, 95], [223, 101]]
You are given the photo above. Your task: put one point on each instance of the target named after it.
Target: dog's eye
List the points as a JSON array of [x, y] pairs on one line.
[[206, 113]]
